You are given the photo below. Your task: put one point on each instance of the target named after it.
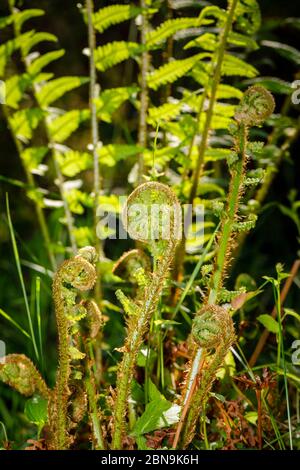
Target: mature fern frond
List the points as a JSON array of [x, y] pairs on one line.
[[233, 65], [112, 15], [115, 52], [56, 88], [38, 64], [73, 162], [34, 39], [170, 72], [24, 122], [63, 126], [111, 99], [163, 113], [167, 29], [21, 17], [110, 154]]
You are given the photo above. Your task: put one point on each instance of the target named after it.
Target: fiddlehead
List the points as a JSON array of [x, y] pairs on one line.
[[75, 274], [256, 105], [152, 215]]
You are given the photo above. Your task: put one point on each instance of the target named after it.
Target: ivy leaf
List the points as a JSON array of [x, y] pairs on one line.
[[158, 414], [269, 322]]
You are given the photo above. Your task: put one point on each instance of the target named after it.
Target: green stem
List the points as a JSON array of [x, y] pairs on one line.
[[94, 413]]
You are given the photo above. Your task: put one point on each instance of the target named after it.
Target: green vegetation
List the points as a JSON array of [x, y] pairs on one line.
[[184, 334]]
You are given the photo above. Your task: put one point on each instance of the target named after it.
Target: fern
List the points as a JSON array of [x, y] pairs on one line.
[[115, 52], [113, 15], [63, 126], [55, 89], [38, 64], [167, 29], [170, 72]]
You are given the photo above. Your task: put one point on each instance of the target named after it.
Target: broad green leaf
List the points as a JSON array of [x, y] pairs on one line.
[[56, 88], [110, 100], [288, 52], [36, 410], [115, 52], [228, 92], [269, 322], [33, 156], [158, 414], [110, 154], [73, 162], [38, 64], [171, 71], [63, 126], [24, 122], [112, 15]]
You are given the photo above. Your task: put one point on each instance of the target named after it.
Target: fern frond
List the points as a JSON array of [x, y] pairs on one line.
[[168, 28], [112, 15], [115, 52], [38, 64], [73, 162], [63, 126], [110, 100], [22, 16], [234, 66], [165, 112], [24, 122], [170, 72], [110, 154], [56, 88], [35, 39]]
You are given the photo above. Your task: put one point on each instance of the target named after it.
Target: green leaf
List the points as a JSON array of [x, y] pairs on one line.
[[15, 88], [110, 100], [291, 313], [234, 66], [34, 39], [273, 84], [110, 154], [154, 393], [25, 121], [112, 15], [9, 47], [166, 112], [22, 16], [5, 21], [158, 414], [251, 417], [207, 41], [228, 92], [33, 156], [38, 64], [73, 162], [269, 322], [167, 29], [56, 88], [214, 154], [36, 410], [241, 40], [115, 52], [171, 71], [63, 126], [288, 52]]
